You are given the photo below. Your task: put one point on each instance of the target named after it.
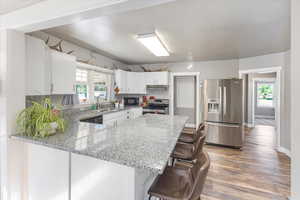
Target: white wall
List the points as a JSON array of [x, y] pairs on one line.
[[12, 100], [80, 52], [295, 94]]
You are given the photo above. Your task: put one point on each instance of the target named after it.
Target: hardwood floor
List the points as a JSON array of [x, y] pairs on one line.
[[257, 172]]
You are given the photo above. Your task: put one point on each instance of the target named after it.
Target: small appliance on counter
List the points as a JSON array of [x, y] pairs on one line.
[[131, 101], [157, 106]]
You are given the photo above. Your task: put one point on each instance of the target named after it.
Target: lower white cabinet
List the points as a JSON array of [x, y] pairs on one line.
[[94, 179], [47, 173], [134, 113], [113, 119]]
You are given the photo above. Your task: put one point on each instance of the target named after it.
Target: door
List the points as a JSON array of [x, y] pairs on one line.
[[232, 101], [212, 100]]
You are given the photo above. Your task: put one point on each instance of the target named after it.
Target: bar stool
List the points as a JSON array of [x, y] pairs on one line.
[[182, 182], [187, 152], [191, 137]]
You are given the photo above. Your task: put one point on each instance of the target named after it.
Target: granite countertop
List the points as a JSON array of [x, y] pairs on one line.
[[144, 143]]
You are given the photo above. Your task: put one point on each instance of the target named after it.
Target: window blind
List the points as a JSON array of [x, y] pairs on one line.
[[81, 75]]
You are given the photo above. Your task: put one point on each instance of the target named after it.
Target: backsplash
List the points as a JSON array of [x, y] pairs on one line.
[[56, 99]]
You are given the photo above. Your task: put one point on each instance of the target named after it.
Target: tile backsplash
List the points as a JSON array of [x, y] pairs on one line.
[[56, 99]]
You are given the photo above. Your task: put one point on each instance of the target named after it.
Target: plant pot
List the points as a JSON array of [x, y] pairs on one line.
[[53, 128]]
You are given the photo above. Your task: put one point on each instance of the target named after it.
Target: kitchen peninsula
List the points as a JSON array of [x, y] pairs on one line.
[[104, 162]]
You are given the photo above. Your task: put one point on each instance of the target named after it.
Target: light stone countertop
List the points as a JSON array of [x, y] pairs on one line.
[[145, 143]]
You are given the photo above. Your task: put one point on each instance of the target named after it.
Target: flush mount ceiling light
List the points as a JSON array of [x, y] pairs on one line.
[[154, 44]]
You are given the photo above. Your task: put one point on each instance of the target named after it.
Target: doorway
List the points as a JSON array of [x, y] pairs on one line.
[[185, 97], [262, 99], [264, 104]]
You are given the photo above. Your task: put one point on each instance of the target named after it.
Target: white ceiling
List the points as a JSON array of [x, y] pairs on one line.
[[193, 30], [11, 5]]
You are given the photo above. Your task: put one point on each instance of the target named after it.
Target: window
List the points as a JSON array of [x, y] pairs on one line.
[[93, 86], [265, 95], [101, 83], [82, 85]]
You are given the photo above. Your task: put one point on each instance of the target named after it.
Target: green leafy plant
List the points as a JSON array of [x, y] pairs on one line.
[[40, 120], [265, 91]]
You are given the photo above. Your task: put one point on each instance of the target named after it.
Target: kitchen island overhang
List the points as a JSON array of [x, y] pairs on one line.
[[137, 150]]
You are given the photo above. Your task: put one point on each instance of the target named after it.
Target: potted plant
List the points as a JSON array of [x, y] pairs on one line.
[[40, 120]]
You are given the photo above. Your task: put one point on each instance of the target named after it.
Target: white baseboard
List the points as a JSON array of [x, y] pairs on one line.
[[284, 150]]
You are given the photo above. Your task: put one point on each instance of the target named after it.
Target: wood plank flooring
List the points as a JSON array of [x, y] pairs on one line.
[[258, 172]]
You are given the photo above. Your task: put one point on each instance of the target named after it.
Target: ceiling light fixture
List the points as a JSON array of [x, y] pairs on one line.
[[154, 44]]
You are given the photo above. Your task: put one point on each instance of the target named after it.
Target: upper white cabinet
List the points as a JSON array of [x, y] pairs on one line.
[[48, 71], [157, 78], [136, 82], [38, 76], [121, 81], [63, 68]]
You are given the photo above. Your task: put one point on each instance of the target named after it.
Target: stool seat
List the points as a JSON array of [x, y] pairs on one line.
[[183, 181], [174, 183]]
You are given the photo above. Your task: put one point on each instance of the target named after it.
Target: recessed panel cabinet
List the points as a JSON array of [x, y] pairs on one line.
[[48, 71], [63, 73], [38, 74], [136, 82]]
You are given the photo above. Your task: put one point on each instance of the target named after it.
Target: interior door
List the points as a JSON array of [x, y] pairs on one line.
[[213, 90], [232, 101]]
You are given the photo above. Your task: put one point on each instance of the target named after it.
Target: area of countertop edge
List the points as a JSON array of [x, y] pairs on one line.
[[71, 139]]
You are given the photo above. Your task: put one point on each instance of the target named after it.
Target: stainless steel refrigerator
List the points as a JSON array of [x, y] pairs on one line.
[[223, 112]]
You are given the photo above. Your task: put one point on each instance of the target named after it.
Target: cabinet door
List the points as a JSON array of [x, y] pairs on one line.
[[47, 173], [121, 81], [38, 76], [63, 68], [94, 179], [140, 83]]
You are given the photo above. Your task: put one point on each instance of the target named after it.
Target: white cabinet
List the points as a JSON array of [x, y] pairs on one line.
[[47, 173], [115, 118], [121, 81], [94, 179], [157, 78], [38, 76], [136, 82], [130, 82], [48, 71], [134, 113], [63, 72]]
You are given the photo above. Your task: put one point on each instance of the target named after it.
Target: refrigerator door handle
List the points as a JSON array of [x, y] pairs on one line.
[[224, 100]]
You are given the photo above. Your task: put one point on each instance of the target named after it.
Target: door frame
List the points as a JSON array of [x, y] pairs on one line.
[[198, 99], [279, 82]]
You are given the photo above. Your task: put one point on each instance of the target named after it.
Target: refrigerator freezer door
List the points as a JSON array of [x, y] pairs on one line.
[[224, 134], [232, 101], [212, 100]]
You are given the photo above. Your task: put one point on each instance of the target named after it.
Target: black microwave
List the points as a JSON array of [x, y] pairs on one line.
[[131, 101]]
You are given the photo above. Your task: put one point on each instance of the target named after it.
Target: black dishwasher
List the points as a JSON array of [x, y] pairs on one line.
[[94, 120]]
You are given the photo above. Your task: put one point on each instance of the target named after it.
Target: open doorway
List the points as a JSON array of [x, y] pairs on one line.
[[262, 101], [185, 97], [265, 101]]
